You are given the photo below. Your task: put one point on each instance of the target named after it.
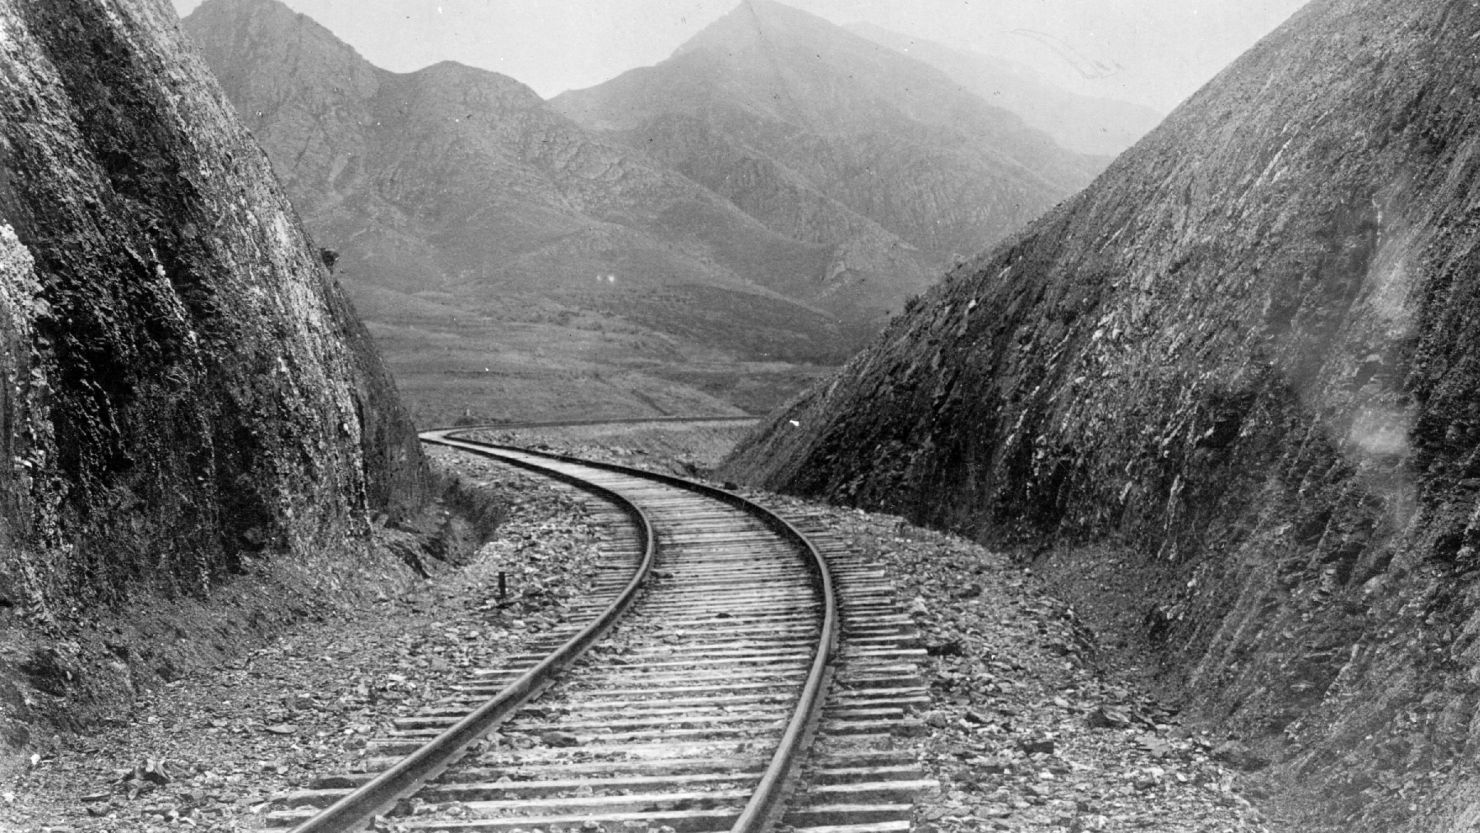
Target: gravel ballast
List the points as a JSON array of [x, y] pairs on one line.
[[1028, 728]]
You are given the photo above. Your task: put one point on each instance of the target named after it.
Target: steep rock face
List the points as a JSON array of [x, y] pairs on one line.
[[1096, 126], [821, 134], [1249, 356], [184, 383]]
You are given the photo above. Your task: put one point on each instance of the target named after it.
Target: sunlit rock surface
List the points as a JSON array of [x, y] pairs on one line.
[[1249, 357]]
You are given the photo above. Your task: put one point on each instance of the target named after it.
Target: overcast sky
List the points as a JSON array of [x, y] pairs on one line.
[[1155, 52]]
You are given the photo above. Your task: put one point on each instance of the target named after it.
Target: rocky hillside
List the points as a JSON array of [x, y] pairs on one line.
[[1239, 377], [1085, 124], [818, 132], [185, 387]]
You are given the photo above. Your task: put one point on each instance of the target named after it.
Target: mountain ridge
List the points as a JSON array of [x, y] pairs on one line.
[[469, 216], [1096, 126], [462, 205], [533, 146], [877, 125]]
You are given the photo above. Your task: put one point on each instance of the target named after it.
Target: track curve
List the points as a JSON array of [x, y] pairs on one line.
[[691, 712]]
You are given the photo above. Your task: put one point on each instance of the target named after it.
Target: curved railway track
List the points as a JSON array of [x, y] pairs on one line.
[[683, 693]]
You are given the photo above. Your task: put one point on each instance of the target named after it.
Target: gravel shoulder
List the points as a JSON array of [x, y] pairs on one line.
[[1034, 723], [1030, 727], [209, 750]]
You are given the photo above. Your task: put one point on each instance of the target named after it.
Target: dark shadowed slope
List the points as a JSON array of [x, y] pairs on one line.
[[185, 386], [1097, 126], [824, 136], [1248, 356]]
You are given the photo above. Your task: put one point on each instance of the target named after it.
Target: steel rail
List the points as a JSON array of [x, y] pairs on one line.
[[591, 423], [359, 808], [766, 802]]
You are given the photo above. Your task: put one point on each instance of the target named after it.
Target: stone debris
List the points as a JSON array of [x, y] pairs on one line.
[[219, 747], [1026, 731], [1028, 728], [1019, 689]]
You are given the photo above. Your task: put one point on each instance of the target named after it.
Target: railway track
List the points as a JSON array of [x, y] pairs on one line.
[[689, 691]]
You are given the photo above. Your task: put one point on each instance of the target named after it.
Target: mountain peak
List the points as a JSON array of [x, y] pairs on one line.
[[815, 130], [262, 15], [759, 25], [235, 33]]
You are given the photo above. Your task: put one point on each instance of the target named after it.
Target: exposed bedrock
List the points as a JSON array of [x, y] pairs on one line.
[[184, 384], [1249, 356]]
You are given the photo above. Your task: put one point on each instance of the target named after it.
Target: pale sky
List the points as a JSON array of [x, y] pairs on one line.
[[1154, 52]]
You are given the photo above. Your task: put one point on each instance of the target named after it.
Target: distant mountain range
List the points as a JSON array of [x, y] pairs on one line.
[[1098, 126], [770, 193]]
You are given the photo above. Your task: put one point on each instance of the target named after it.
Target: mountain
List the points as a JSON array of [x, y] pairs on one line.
[[817, 132], [186, 389], [495, 244], [1085, 124], [1228, 399], [468, 212]]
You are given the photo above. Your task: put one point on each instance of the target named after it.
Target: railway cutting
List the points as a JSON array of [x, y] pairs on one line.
[[729, 672]]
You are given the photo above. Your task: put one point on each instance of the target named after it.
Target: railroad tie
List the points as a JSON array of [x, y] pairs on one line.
[[689, 702]]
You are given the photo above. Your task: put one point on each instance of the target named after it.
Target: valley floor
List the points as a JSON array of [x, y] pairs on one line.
[[1026, 730]]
